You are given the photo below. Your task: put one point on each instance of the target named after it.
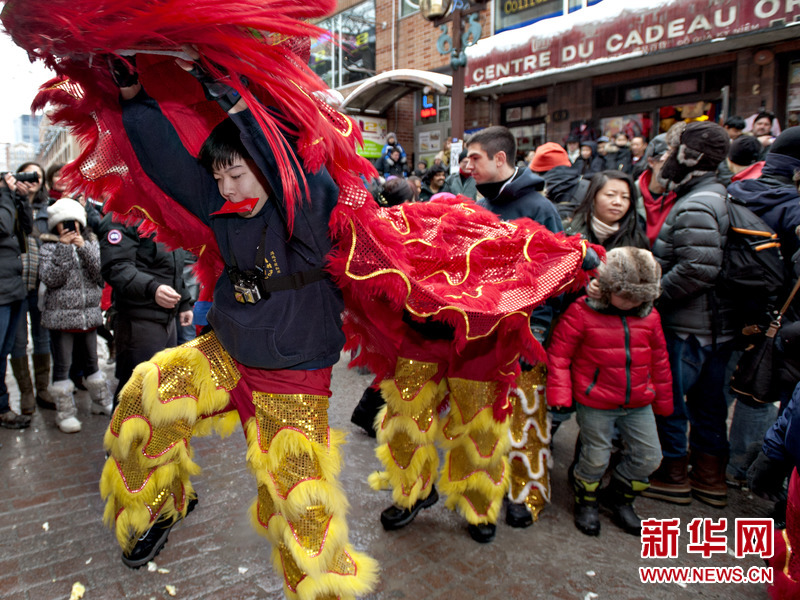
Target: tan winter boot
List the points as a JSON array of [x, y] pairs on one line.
[[41, 374], [97, 384], [66, 411], [22, 373]]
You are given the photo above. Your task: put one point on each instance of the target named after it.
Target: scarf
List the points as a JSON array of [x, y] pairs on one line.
[[603, 231]]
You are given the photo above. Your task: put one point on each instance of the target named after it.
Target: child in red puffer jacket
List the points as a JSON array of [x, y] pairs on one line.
[[610, 357]]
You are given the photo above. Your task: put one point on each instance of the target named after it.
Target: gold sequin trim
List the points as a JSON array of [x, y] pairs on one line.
[[478, 501], [164, 438], [402, 448], [411, 375], [311, 530], [133, 475], [343, 564], [471, 397], [223, 367], [302, 412], [293, 469], [175, 381], [485, 442], [130, 404], [424, 419], [175, 491], [461, 467], [266, 506], [292, 574]]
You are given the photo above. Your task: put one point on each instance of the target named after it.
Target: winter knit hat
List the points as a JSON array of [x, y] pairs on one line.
[[656, 147], [697, 147], [632, 273], [745, 150], [65, 209], [787, 143], [548, 156]]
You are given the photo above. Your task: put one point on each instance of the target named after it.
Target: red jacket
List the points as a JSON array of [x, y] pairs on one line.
[[607, 361]]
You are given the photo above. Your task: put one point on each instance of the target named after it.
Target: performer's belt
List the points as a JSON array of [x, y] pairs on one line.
[[250, 286]]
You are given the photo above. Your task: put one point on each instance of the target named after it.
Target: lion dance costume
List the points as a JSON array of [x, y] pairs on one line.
[[448, 262]]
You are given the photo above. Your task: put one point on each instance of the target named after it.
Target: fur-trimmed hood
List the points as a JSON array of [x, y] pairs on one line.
[[630, 272]]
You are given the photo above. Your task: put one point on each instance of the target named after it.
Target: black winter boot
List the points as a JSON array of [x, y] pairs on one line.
[[367, 410], [587, 515], [619, 499]]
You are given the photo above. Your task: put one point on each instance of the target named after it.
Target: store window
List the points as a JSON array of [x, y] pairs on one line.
[[512, 14], [432, 108], [408, 7], [652, 106], [793, 95], [346, 54], [528, 124]]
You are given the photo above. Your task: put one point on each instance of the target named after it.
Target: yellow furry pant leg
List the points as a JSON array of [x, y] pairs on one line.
[[406, 432], [475, 474], [178, 393], [300, 507], [530, 441]]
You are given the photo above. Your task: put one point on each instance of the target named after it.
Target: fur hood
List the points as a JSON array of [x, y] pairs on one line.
[[632, 273]]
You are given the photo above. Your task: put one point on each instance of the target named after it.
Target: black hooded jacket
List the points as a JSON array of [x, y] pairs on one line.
[[522, 197], [594, 164], [774, 198]]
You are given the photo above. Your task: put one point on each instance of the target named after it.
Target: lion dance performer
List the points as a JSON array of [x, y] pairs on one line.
[[241, 107]]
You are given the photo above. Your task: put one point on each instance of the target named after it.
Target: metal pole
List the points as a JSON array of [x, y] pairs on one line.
[[457, 91]]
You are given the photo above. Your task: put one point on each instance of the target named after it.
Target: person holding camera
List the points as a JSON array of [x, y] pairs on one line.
[[15, 223], [69, 266], [30, 186]]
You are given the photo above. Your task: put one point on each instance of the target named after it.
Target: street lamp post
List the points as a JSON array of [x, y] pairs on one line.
[[437, 11]]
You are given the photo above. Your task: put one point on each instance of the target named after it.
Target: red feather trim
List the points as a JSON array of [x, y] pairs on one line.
[[242, 38]]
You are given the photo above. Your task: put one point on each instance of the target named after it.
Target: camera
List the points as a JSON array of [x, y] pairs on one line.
[[32, 177], [70, 226]]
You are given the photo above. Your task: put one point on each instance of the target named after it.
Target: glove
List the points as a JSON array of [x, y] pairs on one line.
[[123, 70], [591, 260], [765, 477], [216, 90]]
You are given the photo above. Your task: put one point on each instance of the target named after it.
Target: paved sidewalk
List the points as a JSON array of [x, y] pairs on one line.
[[50, 479]]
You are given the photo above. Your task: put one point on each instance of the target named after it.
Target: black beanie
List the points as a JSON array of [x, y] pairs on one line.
[[698, 146], [787, 143], [745, 150]]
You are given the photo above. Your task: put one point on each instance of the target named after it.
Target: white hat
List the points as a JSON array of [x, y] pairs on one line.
[[65, 209]]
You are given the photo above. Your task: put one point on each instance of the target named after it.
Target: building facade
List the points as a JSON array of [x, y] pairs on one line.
[[601, 68]]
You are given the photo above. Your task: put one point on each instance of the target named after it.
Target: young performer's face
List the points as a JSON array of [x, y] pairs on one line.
[[238, 182]]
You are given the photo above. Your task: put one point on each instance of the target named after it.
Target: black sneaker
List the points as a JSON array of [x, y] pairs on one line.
[[483, 533], [154, 539], [11, 420], [518, 515], [397, 518]]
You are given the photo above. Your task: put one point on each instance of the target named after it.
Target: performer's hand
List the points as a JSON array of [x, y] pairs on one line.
[[166, 297], [593, 290], [185, 318], [228, 98], [123, 72]]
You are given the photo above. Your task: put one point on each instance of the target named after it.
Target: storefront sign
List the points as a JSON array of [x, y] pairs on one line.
[[373, 130], [509, 14], [609, 31]]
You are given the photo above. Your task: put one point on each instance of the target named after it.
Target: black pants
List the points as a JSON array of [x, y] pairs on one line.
[[137, 340], [63, 343]]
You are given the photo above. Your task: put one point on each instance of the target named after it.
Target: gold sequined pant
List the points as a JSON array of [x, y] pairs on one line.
[[530, 441], [300, 507], [475, 473]]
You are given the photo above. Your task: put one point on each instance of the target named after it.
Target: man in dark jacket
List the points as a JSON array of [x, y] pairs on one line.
[[773, 196], [697, 321], [12, 288], [512, 193], [148, 294]]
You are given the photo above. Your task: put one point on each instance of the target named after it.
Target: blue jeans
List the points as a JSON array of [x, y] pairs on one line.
[[749, 424], [39, 335], [698, 383], [637, 427], [9, 320]]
